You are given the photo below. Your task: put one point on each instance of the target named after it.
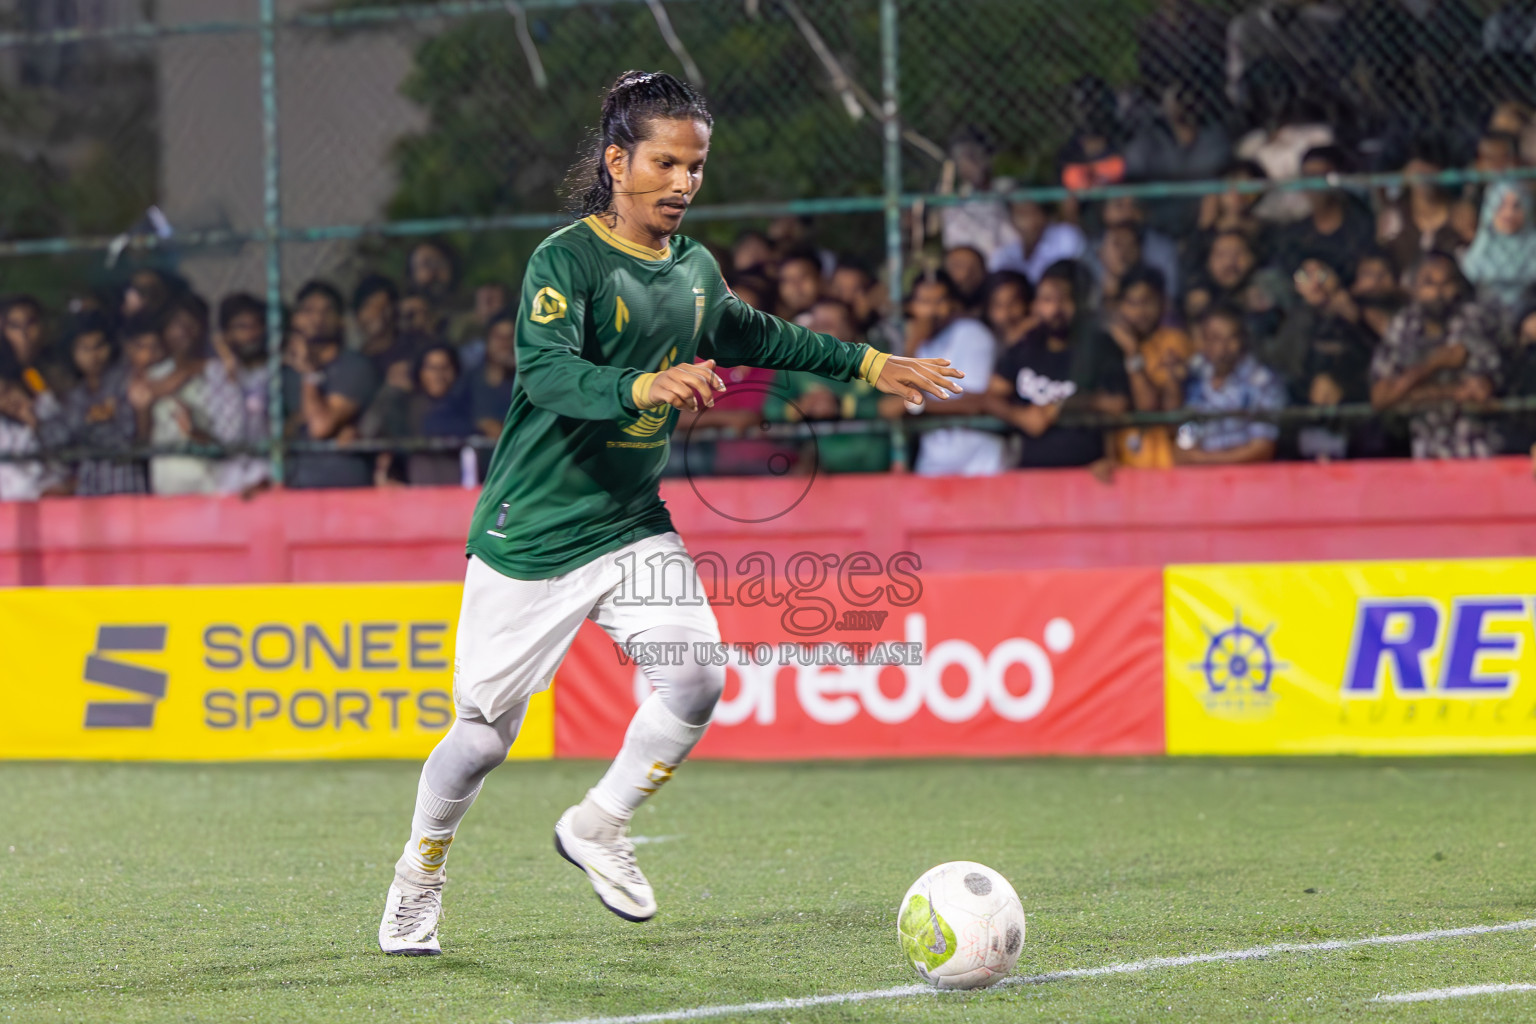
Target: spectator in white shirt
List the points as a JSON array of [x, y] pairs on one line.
[[28, 479], [937, 330], [1041, 239], [983, 224]]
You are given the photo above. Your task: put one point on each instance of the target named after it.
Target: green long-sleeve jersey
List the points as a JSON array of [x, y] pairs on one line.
[[575, 473]]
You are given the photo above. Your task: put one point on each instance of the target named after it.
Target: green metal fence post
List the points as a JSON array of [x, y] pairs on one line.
[[272, 223], [891, 112]]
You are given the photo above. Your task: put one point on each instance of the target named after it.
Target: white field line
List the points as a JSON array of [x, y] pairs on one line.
[[1133, 967], [1432, 994], [643, 840]]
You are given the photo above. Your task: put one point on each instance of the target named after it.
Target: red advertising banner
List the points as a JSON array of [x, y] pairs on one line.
[[888, 661]]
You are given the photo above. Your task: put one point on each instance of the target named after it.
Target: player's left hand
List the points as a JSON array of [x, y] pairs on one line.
[[686, 386], [911, 378]]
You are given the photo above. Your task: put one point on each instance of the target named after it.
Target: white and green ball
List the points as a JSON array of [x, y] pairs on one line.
[[961, 925]]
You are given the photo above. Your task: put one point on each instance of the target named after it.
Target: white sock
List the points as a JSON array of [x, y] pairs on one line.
[[655, 744], [432, 827], [457, 766]]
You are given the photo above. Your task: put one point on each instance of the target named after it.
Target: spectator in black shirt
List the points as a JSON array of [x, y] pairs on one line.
[[326, 387], [391, 351], [1519, 429], [1320, 336], [317, 310], [1009, 295], [1377, 291], [1033, 382], [1232, 277], [1338, 225], [1338, 361]]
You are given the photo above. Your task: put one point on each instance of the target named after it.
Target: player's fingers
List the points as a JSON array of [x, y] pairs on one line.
[[937, 387], [941, 367], [703, 388], [676, 395], [696, 384], [705, 372], [935, 375], [714, 378]]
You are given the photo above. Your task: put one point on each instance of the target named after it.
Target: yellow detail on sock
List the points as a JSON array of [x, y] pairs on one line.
[[657, 776], [432, 853], [873, 362]]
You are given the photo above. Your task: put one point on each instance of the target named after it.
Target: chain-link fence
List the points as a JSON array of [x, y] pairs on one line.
[[251, 145]]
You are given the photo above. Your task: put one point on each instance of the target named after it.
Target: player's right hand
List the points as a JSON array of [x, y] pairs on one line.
[[688, 386], [910, 378]]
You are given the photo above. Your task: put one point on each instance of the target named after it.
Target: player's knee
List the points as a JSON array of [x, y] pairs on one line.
[[480, 746], [693, 690]]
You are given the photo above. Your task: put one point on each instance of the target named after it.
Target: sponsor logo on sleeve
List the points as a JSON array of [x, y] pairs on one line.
[[548, 305]]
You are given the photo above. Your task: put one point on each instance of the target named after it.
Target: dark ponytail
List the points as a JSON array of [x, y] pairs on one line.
[[636, 100]]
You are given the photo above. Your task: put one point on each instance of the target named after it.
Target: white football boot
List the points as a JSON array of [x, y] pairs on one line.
[[609, 861], [411, 913]]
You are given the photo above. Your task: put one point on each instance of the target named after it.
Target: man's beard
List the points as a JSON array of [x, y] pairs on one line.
[[1436, 311]]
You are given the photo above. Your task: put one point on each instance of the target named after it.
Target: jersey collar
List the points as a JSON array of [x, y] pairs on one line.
[[624, 245]]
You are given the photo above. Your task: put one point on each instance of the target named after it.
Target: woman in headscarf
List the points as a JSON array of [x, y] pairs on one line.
[[1501, 261]]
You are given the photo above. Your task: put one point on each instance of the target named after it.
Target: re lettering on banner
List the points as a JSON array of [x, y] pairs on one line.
[[1352, 658]]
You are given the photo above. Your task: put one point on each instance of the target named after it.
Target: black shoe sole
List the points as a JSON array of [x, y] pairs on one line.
[[411, 952], [560, 849]]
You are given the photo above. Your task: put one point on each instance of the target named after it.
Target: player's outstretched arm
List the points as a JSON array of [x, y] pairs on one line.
[[739, 335], [912, 378]]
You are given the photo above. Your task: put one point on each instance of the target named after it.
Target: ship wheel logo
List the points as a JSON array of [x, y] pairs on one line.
[[1238, 661]]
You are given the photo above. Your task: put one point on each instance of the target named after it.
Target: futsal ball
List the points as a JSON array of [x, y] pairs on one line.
[[961, 925]]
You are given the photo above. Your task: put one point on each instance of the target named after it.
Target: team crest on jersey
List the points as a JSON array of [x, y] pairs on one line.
[[620, 315], [698, 310], [548, 305], [653, 420]]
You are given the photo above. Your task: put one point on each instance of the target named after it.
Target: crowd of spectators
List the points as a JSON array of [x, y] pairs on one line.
[[1213, 311], [152, 368]]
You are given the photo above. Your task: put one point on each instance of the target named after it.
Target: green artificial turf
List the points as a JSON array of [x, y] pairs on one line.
[[243, 892]]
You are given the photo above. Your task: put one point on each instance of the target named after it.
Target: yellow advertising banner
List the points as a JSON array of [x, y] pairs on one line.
[[234, 673], [1351, 657]]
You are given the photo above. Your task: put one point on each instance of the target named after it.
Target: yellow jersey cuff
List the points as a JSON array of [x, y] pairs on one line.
[[641, 391], [871, 365]]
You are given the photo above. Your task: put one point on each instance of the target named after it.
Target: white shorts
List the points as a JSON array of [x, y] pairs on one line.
[[513, 634]]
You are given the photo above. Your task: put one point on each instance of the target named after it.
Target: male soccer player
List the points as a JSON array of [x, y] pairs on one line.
[[570, 525]]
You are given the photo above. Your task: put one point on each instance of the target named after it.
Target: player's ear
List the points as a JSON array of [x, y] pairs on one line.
[[616, 159]]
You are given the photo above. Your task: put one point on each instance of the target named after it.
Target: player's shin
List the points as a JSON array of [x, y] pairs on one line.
[[667, 726], [450, 781], [656, 742]]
